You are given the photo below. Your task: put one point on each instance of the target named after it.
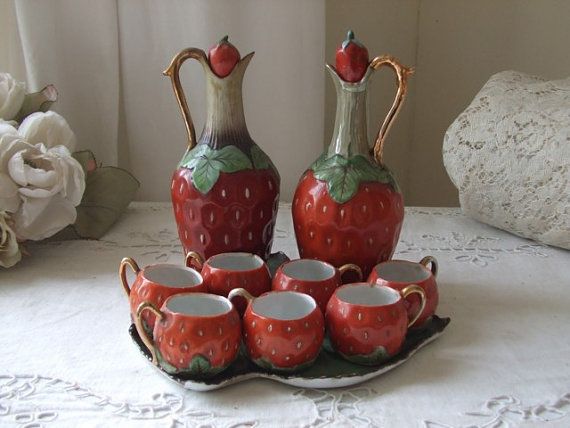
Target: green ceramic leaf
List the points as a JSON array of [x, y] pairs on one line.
[[165, 365], [108, 192], [264, 363], [259, 158], [37, 101], [207, 163], [343, 176], [379, 355], [199, 364]]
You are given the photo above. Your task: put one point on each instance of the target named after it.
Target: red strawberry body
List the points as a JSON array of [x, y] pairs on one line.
[[237, 214], [351, 59], [223, 57], [181, 338], [364, 333], [363, 230], [283, 344]]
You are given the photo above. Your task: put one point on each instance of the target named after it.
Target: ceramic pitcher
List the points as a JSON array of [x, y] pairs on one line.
[[347, 207], [225, 190]]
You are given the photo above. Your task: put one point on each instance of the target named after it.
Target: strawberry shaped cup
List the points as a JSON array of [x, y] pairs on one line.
[[283, 330], [399, 274], [224, 272], [156, 283], [313, 277], [225, 191], [347, 207], [196, 334], [367, 323]]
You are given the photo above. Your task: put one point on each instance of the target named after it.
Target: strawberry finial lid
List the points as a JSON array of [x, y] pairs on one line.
[[351, 59]]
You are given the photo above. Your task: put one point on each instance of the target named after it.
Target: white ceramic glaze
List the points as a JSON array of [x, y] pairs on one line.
[[402, 271], [308, 270], [172, 275], [365, 294], [198, 304], [236, 261], [284, 305]]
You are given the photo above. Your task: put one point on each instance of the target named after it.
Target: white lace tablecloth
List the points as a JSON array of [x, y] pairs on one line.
[[66, 358]]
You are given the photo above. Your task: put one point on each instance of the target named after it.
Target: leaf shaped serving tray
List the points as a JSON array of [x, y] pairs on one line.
[[329, 370]]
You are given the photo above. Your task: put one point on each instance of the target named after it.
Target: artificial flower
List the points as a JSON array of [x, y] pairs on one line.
[[12, 95], [9, 249]]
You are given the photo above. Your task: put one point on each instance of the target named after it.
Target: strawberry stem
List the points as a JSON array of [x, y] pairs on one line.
[[223, 40], [350, 38]]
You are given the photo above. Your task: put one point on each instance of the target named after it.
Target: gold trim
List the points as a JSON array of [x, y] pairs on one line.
[[434, 265], [123, 272], [147, 340], [402, 74], [353, 267], [242, 292], [411, 289], [193, 256]]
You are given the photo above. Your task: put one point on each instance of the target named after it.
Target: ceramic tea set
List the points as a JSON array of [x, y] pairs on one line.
[[196, 320]]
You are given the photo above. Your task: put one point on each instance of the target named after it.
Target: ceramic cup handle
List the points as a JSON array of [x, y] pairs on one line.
[[127, 261], [411, 289], [147, 340], [352, 267], [242, 292], [193, 259], [430, 259]]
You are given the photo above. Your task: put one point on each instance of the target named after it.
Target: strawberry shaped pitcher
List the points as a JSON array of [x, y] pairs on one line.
[[225, 191], [347, 207]]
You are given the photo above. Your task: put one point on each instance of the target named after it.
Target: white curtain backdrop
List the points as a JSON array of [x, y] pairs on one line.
[[106, 58]]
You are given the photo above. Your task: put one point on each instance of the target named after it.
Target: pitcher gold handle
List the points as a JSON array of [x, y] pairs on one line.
[[173, 71], [402, 74]]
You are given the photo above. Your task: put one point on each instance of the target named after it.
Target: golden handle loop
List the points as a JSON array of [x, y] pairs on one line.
[[127, 261], [353, 267], [242, 292], [173, 71], [192, 257], [410, 289], [147, 340], [434, 267], [402, 74]]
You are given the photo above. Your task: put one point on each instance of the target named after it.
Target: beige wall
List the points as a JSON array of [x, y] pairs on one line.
[[455, 46]]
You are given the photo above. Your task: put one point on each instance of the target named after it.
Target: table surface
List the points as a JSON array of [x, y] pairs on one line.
[[504, 360]]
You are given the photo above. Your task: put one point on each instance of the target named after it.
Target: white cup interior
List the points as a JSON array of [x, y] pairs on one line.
[[236, 261], [173, 275], [308, 270], [364, 294], [402, 271], [284, 305], [199, 304]]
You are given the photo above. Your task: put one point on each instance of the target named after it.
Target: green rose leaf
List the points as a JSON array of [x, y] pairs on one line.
[[207, 163], [343, 176], [37, 101], [108, 193]]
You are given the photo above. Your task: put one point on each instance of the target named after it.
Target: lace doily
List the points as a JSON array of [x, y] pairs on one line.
[[508, 154]]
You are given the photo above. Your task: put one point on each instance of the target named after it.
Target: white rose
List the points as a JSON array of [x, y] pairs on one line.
[[12, 95], [9, 248], [48, 128], [49, 181]]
